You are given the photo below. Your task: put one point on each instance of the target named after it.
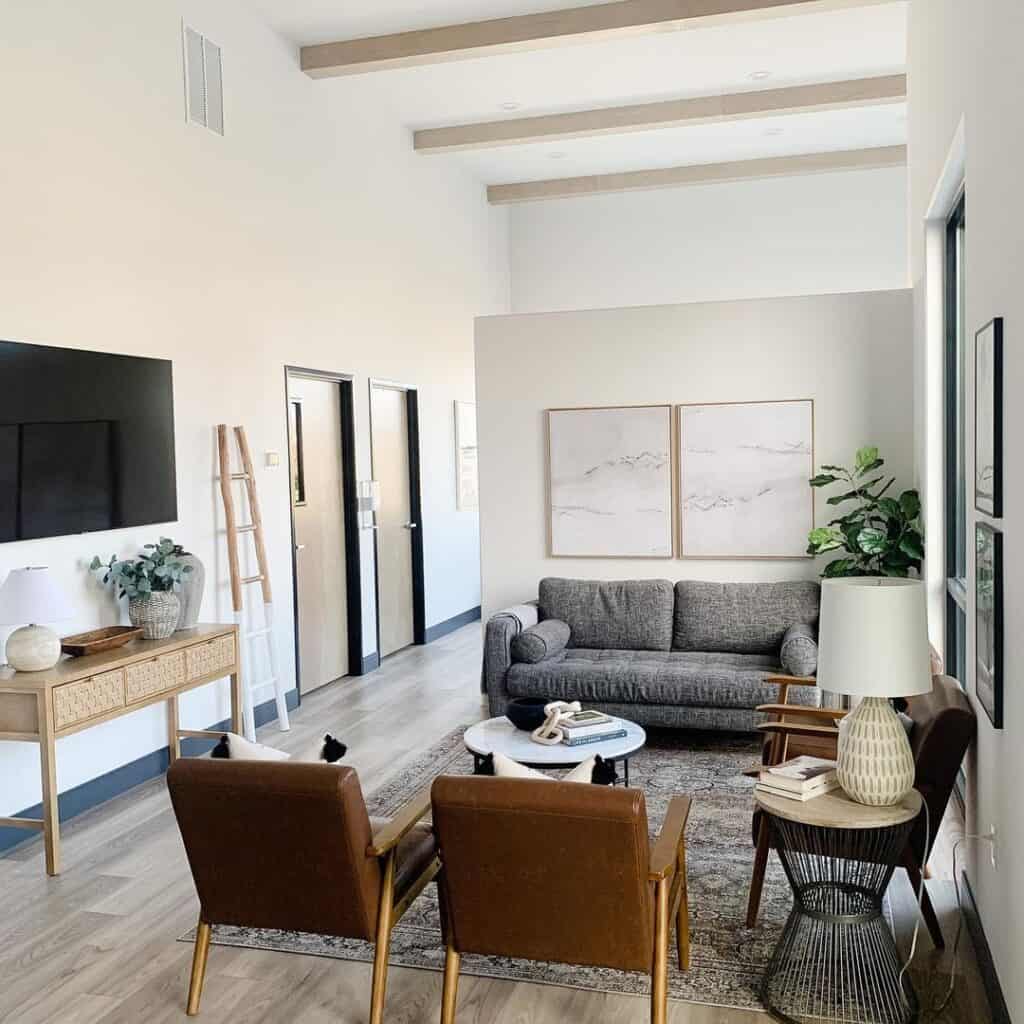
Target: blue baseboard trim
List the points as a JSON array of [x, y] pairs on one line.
[[986, 965], [96, 791], [450, 625], [371, 662]]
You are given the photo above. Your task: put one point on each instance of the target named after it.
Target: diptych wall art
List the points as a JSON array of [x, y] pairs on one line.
[[744, 471], [989, 610], [988, 419], [610, 481]]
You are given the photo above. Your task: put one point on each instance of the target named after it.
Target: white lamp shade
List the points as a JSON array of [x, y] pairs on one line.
[[32, 595], [873, 638]]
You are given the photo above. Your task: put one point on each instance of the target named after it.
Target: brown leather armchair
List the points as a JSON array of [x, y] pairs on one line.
[[944, 728], [559, 871], [290, 846]]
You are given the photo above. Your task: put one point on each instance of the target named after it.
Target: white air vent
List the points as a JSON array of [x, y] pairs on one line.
[[204, 91]]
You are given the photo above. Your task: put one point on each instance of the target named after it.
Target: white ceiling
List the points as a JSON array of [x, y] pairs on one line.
[[820, 47]]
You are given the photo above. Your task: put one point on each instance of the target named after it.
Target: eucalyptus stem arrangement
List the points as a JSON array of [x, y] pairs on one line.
[[880, 535], [157, 569]]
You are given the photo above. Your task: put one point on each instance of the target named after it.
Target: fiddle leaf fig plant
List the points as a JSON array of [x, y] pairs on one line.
[[878, 535], [156, 569]]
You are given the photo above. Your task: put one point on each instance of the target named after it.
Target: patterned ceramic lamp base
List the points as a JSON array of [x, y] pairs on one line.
[[875, 763]]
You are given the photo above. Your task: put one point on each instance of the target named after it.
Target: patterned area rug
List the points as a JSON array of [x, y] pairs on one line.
[[727, 958]]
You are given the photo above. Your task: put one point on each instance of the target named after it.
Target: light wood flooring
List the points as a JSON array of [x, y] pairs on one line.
[[99, 942]]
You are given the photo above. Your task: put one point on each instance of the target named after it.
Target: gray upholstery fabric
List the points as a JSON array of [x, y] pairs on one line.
[[746, 618], [799, 651], [544, 640], [628, 615], [670, 678], [498, 634]]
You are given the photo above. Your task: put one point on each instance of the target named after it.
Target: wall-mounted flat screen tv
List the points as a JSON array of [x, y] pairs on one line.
[[86, 442]]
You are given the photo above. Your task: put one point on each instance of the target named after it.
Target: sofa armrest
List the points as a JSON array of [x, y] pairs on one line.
[[499, 632]]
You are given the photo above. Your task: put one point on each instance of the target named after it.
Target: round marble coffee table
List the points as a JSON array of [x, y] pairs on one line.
[[500, 736]]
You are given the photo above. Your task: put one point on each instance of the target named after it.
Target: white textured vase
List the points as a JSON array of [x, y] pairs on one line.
[[190, 592], [875, 764], [157, 614]]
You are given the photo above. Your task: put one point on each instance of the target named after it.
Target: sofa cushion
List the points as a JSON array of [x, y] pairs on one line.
[[799, 651], [627, 615], [746, 618], [596, 677], [541, 641]]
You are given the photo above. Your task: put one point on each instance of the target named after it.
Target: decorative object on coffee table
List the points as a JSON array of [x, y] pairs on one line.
[[743, 469], [988, 419], [526, 713], [96, 641], [988, 581], [148, 581], [873, 644], [837, 960], [190, 591], [31, 595], [610, 481]]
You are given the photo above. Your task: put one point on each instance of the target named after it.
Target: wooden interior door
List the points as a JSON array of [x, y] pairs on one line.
[[390, 427], [318, 512]]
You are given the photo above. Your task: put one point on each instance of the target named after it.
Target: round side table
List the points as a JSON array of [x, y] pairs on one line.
[[837, 960]]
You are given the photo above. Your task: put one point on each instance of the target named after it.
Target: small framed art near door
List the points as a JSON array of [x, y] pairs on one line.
[[988, 419], [988, 674]]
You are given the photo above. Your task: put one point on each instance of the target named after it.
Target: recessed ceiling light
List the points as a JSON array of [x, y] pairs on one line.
[[760, 76], [510, 106], [774, 131], [559, 155]]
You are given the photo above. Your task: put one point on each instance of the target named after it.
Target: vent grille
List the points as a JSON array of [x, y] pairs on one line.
[[204, 89]]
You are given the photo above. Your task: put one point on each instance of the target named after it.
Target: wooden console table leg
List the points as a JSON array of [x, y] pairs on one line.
[[48, 771], [173, 740], [236, 703]]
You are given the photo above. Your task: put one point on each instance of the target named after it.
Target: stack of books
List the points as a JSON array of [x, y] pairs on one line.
[[589, 727], [802, 778]]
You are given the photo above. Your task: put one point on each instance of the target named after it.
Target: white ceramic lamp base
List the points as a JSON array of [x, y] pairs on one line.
[[33, 649], [875, 764]]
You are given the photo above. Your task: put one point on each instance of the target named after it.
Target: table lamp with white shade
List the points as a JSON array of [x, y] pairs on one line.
[[31, 595], [873, 644]]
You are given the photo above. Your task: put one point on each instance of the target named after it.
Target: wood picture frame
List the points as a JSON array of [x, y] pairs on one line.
[[610, 482], [467, 469], [988, 596], [735, 491], [988, 419]]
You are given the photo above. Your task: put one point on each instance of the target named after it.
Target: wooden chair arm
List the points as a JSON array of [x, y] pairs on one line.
[[665, 849], [798, 729], [793, 710], [792, 680], [389, 835]]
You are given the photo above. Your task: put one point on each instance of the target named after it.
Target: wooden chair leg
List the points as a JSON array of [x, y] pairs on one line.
[[683, 914], [760, 866], [199, 956], [659, 970], [380, 954], [450, 992]]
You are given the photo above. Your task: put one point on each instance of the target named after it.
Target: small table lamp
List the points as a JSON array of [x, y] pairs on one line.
[[873, 643], [31, 595]]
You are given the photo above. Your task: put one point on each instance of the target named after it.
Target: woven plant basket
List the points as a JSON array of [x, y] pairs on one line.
[[157, 614]]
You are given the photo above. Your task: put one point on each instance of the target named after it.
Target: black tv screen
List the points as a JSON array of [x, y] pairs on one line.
[[86, 442]]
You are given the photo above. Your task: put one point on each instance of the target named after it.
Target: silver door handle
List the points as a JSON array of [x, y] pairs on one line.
[[410, 526], [300, 547]]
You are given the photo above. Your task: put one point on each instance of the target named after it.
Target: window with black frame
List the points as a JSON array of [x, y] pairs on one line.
[[956, 447]]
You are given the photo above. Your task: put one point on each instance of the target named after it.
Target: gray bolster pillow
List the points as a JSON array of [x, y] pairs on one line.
[[544, 640], [799, 653]]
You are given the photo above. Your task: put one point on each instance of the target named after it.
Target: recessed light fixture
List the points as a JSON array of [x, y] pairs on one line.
[[759, 76], [558, 155], [774, 131], [510, 106]]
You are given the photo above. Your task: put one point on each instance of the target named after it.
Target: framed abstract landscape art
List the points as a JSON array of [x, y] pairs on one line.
[[988, 419], [744, 469], [988, 676], [610, 482]]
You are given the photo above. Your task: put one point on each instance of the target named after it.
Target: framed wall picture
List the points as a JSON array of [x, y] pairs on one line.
[[467, 479], [988, 419], [610, 482], [744, 469], [988, 582]]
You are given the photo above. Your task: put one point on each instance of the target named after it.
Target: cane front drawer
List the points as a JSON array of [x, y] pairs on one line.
[[88, 698], [212, 656], [147, 678]]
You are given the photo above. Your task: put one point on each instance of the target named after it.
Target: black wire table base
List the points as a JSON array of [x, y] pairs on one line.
[[837, 960]]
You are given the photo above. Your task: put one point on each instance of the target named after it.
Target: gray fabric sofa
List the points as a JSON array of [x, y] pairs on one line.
[[690, 655]]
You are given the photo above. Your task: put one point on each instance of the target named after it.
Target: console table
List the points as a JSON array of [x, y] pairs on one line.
[[78, 693]]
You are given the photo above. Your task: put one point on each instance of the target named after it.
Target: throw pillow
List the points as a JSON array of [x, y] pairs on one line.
[[594, 769], [237, 748], [799, 652], [542, 641]]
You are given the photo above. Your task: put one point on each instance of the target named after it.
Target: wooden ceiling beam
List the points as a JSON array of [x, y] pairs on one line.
[[582, 124], [698, 174], [549, 28]]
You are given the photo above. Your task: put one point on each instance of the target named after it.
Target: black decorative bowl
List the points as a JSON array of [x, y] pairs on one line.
[[526, 713]]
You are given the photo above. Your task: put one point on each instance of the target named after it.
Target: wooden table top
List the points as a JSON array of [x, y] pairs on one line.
[[837, 810]]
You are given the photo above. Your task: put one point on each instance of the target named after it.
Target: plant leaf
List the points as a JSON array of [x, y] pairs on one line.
[[890, 507], [911, 504], [911, 544], [841, 567], [872, 541], [838, 499], [825, 538], [823, 480], [866, 456]]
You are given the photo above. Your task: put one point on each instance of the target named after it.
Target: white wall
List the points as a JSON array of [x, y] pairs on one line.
[[311, 234], [807, 235], [851, 353], [964, 67]]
